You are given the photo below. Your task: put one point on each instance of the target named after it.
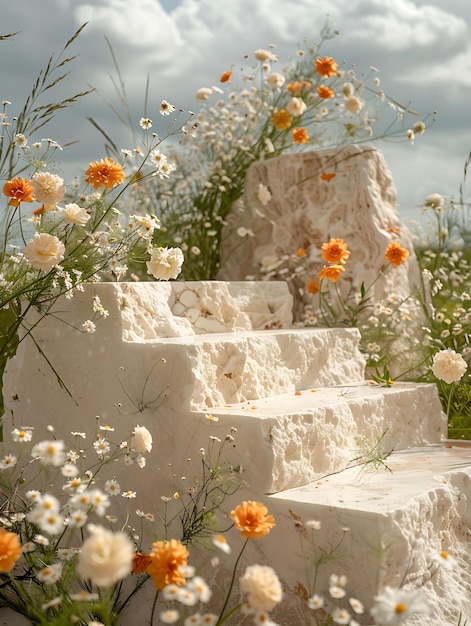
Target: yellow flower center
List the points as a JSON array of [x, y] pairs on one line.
[[401, 608], [444, 554]]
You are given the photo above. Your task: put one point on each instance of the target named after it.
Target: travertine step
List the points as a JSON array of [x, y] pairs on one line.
[[401, 516], [292, 439]]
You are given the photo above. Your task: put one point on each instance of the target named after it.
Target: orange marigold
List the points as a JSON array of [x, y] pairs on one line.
[[331, 272], [281, 119], [104, 173], [10, 550], [396, 254], [18, 190], [140, 562], [335, 251], [167, 557], [301, 252], [251, 518], [324, 92], [297, 87], [225, 76], [313, 286], [326, 66], [300, 135]]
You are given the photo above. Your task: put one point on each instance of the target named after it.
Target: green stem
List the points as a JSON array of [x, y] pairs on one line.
[[154, 604], [222, 618]]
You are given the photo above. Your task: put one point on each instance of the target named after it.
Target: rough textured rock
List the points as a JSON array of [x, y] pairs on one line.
[[358, 205], [297, 398]]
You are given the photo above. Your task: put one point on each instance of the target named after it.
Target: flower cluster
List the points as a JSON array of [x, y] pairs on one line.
[[274, 107]]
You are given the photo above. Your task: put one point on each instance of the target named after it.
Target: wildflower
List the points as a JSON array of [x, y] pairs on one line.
[[394, 606], [105, 173], [396, 254], [331, 272], [313, 524], [166, 560], [18, 190], [353, 104], [449, 366], [44, 251], [10, 550], [313, 286], [145, 123], [165, 263], [9, 460], [275, 80], [105, 557], [220, 542], [445, 560], [49, 452], [296, 107], [141, 440], [89, 326], [225, 77], [325, 92], [102, 447], [203, 93], [251, 518], [297, 87], [112, 487], [335, 251], [315, 602], [140, 562], [418, 128], [25, 434], [326, 67], [300, 135], [20, 140], [166, 108], [74, 214], [50, 574], [48, 188], [341, 616], [263, 194], [281, 119], [262, 586], [170, 616], [434, 201], [200, 588], [348, 90], [337, 592], [265, 55]]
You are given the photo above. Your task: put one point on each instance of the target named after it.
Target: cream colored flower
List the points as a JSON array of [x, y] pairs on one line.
[[449, 366], [265, 55], [296, 107], [141, 440], [203, 93], [262, 586], [353, 104], [105, 557], [44, 251], [263, 194], [275, 80], [165, 263], [73, 214], [48, 188]]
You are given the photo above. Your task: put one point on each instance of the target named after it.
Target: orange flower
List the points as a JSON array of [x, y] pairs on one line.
[[300, 135], [104, 173], [10, 550], [396, 254], [281, 119], [324, 92], [328, 176], [166, 560], [225, 76], [18, 190], [251, 518], [326, 66], [331, 272], [140, 562], [297, 87], [335, 251], [313, 286], [301, 252]]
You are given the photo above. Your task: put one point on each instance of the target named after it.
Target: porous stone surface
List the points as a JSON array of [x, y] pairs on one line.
[[293, 406], [358, 205]]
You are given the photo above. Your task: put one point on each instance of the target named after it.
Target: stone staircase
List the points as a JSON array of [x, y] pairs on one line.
[[315, 440]]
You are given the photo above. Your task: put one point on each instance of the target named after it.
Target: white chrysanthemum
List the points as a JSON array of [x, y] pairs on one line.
[[449, 366], [395, 606], [74, 214], [141, 441], [353, 104], [275, 80], [265, 55], [105, 557], [296, 107], [262, 586], [44, 251], [48, 188], [50, 452], [165, 263]]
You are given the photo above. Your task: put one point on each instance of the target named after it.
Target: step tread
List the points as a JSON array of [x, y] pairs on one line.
[[413, 472]]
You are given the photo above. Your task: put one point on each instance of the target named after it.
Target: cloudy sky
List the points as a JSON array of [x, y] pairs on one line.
[[422, 49]]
